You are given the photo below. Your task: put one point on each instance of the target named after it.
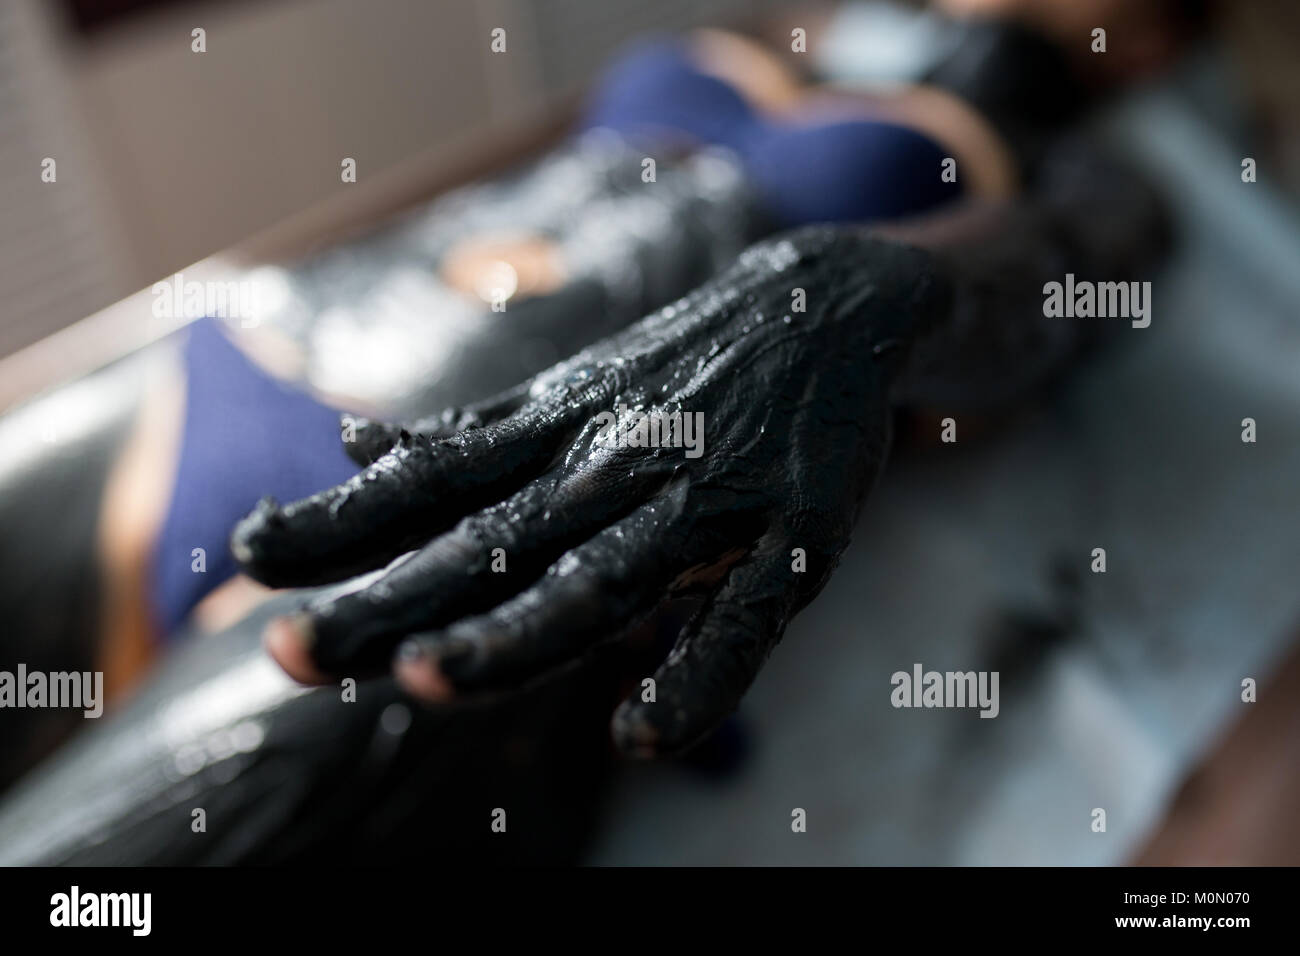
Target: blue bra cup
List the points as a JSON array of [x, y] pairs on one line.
[[838, 171]]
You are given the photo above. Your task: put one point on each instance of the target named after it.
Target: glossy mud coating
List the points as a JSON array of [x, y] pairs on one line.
[[796, 407], [796, 414], [50, 499], [327, 780], [285, 774], [627, 250], [376, 320]]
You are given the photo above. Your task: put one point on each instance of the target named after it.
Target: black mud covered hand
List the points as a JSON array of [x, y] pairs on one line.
[[551, 519]]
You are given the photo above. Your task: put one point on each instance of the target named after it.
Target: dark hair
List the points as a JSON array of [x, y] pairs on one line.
[[1019, 80]]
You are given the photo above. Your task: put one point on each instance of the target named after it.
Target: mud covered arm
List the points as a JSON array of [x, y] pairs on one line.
[[723, 444]]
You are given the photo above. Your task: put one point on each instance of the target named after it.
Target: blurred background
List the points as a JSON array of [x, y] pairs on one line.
[[1120, 691], [165, 157]]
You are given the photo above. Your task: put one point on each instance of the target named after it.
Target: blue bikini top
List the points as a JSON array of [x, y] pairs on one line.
[[248, 435], [804, 172]]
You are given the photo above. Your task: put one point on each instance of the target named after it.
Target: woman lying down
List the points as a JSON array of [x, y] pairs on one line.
[[516, 534], [513, 539]]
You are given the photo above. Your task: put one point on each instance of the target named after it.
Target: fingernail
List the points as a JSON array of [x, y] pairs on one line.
[[288, 640], [632, 733], [419, 672]]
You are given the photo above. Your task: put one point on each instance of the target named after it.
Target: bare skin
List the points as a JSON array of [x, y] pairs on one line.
[[518, 265], [797, 406], [131, 516], [139, 486], [988, 168]]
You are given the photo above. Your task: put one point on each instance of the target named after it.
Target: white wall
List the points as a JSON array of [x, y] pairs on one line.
[[188, 153]]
